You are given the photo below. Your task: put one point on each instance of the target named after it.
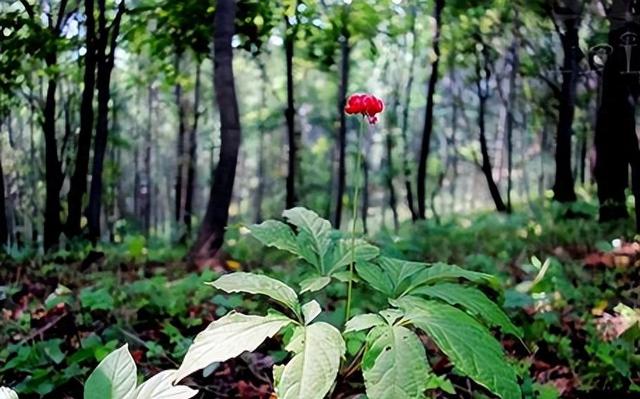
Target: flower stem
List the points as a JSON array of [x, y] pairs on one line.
[[356, 192]]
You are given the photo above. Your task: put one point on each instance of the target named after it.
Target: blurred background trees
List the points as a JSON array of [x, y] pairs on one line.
[[125, 117]]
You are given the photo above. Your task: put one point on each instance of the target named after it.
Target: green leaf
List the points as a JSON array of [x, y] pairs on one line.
[[443, 272], [312, 371], [342, 253], [313, 230], [114, 378], [345, 276], [375, 277], [258, 284], [227, 338], [313, 284], [467, 344], [473, 300], [394, 364], [160, 386], [363, 322], [310, 311], [276, 234]]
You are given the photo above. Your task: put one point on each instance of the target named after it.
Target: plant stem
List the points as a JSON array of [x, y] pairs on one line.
[[356, 191]]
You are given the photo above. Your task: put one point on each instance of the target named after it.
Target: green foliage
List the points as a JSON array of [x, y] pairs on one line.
[[315, 242], [115, 378]]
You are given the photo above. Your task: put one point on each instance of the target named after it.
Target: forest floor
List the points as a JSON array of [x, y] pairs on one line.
[[62, 314]]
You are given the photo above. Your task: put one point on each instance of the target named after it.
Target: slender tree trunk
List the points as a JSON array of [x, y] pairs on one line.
[[4, 232], [389, 175], [563, 188], [261, 146], [105, 66], [482, 86], [428, 122], [193, 155], [514, 62], [78, 184], [211, 235], [180, 155], [293, 137], [406, 168], [34, 174], [147, 184], [345, 51], [53, 173]]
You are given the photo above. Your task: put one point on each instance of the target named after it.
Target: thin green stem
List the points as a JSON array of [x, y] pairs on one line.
[[356, 192]]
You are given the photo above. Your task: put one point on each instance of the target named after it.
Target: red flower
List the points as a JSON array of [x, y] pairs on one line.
[[364, 104]]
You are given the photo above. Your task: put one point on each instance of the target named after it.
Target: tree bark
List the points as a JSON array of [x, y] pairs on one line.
[[293, 137], [53, 173], [428, 121], [514, 62], [615, 140], [147, 181], [193, 155], [345, 51], [78, 184], [563, 188], [261, 146], [4, 232], [180, 155], [406, 168], [483, 75], [211, 234], [105, 63]]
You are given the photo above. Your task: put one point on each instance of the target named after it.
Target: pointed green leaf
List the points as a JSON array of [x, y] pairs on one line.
[[342, 254], [363, 322], [443, 272], [312, 371], [275, 234], [259, 284], [313, 284], [467, 344], [473, 300], [114, 378], [375, 277], [312, 230], [160, 386], [227, 338], [310, 311], [394, 364]]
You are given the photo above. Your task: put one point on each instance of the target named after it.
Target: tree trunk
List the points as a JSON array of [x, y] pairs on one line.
[[53, 174], [180, 155], [406, 168], [345, 51], [193, 156], [78, 184], [615, 140], [482, 86], [261, 146], [105, 66], [514, 62], [563, 188], [428, 121], [292, 136], [211, 234], [4, 232], [147, 182]]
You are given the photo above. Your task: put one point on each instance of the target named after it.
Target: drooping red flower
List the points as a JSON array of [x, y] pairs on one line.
[[364, 104]]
